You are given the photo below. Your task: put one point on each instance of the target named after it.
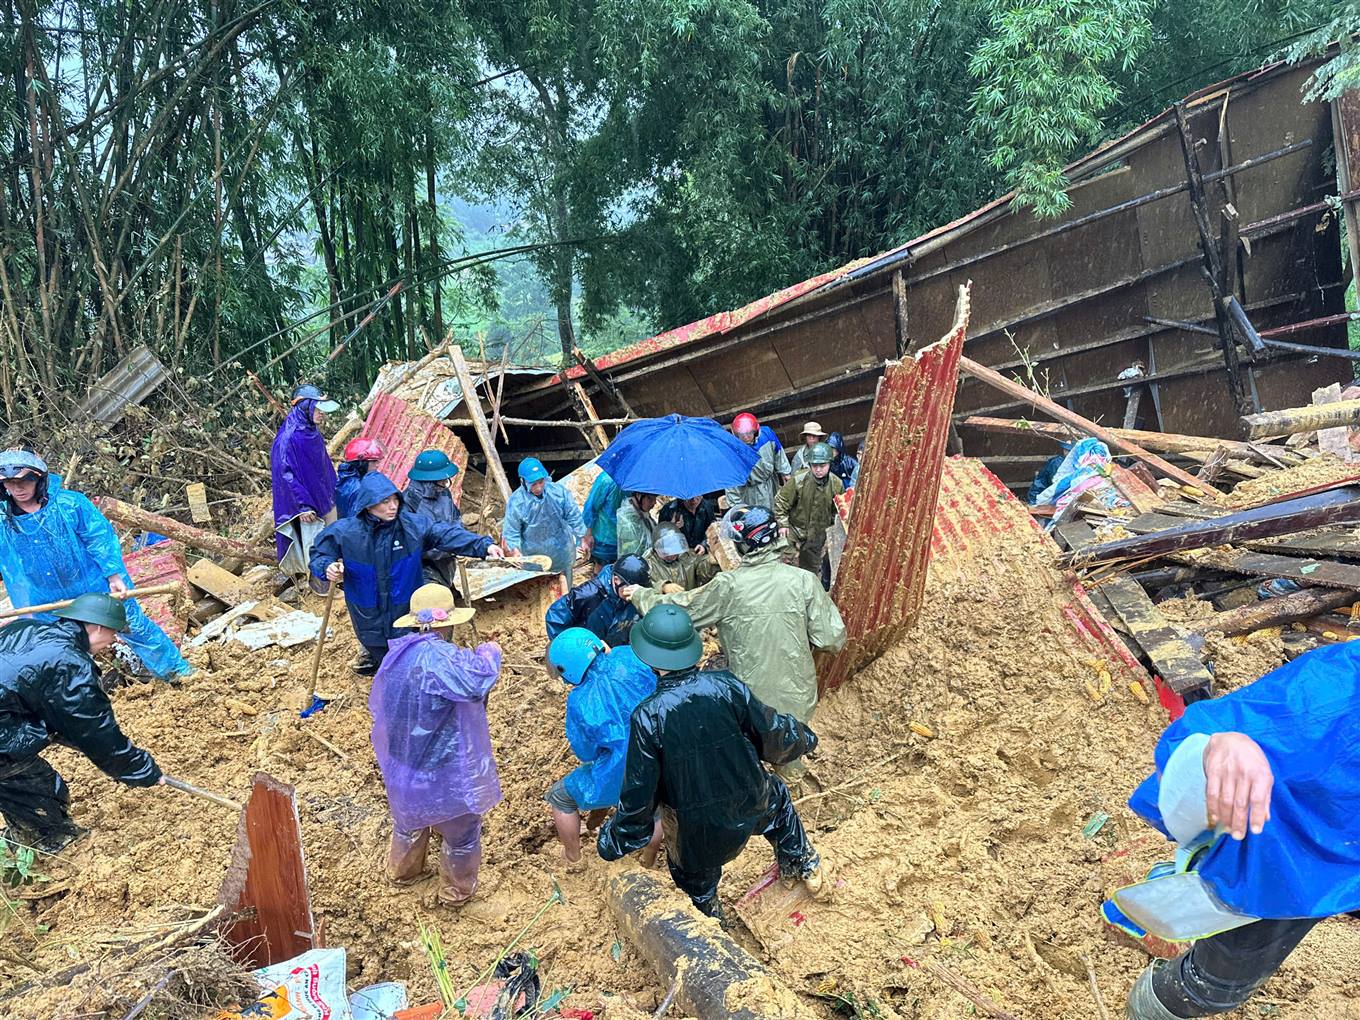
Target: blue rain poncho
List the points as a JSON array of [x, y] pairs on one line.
[[1306, 718], [597, 725], [430, 734], [548, 525], [68, 548], [602, 504]]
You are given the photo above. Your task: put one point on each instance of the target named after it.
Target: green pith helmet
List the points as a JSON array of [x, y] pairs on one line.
[[666, 639], [433, 466], [821, 453], [104, 610]]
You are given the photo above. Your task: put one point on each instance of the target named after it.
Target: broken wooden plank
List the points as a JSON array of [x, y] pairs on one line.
[[267, 873], [1276, 612], [1016, 391], [597, 436], [1327, 543], [479, 424], [219, 583], [1162, 642], [1334, 506], [1144, 497], [1292, 420], [144, 520], [1257, 564]]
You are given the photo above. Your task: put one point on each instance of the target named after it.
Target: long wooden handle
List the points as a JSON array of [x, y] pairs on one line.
[[133, 593], [194, 791], [321, 637]]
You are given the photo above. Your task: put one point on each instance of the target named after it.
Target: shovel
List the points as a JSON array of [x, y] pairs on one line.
[[194, 791], [535, 563], [315, 702]]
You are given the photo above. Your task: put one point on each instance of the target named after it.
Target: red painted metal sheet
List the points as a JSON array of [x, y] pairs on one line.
[[404, 431], [882, 573], [162, 563]]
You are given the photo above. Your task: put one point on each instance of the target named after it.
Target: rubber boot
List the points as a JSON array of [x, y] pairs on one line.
[[458, 873], [406, 857], [1143, 1002]]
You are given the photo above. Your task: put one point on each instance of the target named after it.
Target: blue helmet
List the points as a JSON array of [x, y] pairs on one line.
[[531, 469], [572, 652]]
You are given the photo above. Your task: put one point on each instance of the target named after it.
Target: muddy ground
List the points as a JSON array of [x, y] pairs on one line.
[[965, 848]]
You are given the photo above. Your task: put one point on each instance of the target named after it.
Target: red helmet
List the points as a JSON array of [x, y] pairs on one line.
[[745, 422], [364, 448]]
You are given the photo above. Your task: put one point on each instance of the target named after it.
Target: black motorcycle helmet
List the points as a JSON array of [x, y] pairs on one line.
[[631, 569], [755, 527]]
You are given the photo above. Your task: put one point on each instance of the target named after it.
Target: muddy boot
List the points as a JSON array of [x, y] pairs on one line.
[[457, 874], [406, 857], [363, 665], [1143, 1003]]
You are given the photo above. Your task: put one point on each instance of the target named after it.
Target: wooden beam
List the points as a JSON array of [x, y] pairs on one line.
[[1164, 644], [1162, 442], [195, 538], [1038, 401], [595, 435], [1293, 420], [479, 423], [1258, 564], [1277, 612]]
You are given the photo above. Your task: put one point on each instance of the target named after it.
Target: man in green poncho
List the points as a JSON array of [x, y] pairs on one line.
[[769, 616], [672, 561], [806, 506]]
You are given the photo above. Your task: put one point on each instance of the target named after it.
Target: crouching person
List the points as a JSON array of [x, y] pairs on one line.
[[433, 745], [606, 685], [695, 749]]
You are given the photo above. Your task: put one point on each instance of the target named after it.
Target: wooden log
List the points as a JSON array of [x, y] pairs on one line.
[[1335, 506], [135, 517], [543, 423], [1276, 612], [1292, 420], [718, 979], [479, 423], [1038, 401], [1163, 442], [172, 588]]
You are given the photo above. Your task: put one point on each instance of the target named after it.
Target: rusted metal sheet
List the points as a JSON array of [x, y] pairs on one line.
[[162, 563], [882, 572], [130, 382], [405, 431]]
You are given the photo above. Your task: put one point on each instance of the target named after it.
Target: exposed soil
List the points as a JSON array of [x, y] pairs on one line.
[[966, 849]]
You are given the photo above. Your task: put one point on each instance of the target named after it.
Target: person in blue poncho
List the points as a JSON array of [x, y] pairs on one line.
[[602, 506], [1282, 771], [542, 519], [606, 685], [55, 545]]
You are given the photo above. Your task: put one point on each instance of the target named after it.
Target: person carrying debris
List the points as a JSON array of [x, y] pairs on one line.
[[50, 692], [606, 685], [597, 605], [304, 481], [55, 545], [433, 744], [769, 616], [693, 517], [379, 553], [813, 434], [695, 749], [771, 470], [806, 507], [843, 466], [636, 525], [542, 519], [360, 455], [599, 515], [1274, 795], [671, 561], [429, 492]]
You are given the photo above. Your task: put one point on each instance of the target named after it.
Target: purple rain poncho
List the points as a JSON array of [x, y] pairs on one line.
[[430, 733], [303, 475]]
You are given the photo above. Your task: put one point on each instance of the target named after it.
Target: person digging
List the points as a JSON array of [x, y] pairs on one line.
[[433, 744], [606, 685], [50, 692], [379, 552], [695, 749], [598, 605]]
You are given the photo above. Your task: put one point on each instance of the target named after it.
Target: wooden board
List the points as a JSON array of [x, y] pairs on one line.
[[221, 584], [267, 874], [1258, 564], [1163, 643]]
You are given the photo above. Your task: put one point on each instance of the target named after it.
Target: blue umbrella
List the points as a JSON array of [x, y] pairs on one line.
[[677, 456]]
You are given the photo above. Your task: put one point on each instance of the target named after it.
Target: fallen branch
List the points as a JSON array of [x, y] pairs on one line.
[[962, 986], [170, 588], [195, 538], [1103, 1013], [1276, 612], [860, 777]]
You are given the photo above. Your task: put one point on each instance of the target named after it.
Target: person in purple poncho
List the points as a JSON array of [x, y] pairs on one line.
[[433, 745], [303, 481]]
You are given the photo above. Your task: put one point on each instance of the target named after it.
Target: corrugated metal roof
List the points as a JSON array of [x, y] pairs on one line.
[[131, 381], [404, 432], [882, 573], [434, 389], [161, 563]]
